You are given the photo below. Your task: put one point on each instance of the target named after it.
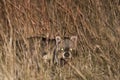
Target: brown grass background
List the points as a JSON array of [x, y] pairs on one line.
[[96, 23]]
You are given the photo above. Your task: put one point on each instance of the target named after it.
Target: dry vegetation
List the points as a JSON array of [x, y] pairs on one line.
[[95, 22]]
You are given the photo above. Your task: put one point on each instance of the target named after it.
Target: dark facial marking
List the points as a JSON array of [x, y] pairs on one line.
[[66, 49]]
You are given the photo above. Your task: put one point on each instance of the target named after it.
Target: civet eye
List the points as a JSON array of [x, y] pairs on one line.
[[71, 49], [62, 49]]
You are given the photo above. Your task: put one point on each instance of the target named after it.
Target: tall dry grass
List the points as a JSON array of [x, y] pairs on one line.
[[95, 22]]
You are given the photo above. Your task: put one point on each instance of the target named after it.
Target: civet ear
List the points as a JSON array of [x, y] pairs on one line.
[[74, 39], [58, 39]]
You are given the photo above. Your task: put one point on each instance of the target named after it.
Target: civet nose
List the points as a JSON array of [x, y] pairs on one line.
[[67, 55]]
